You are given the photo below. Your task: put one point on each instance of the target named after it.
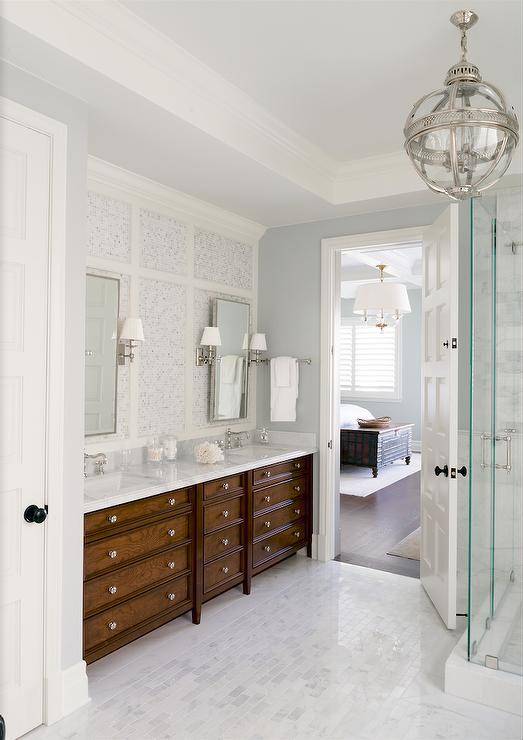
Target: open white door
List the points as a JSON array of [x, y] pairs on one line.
[[439, 435], [24, 228]]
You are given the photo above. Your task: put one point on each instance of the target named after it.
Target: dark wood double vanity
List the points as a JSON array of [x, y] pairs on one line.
[[153, 559]]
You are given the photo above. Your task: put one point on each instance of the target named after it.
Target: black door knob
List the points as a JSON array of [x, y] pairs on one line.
[[462, 471], [34, 514], [444, 470]]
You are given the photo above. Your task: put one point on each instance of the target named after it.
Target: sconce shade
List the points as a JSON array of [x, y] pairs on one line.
[[259, 342], [211, 337], [132, 328], [375, 297]]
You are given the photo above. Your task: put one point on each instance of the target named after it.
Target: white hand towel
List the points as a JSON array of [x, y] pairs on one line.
[[283, 397], [231, 386]]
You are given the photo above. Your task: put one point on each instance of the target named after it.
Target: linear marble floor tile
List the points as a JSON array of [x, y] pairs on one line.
[[319, 650]]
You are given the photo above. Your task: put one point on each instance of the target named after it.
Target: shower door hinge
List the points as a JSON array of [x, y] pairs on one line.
[[491, 661], [329, 444], [454, 344]]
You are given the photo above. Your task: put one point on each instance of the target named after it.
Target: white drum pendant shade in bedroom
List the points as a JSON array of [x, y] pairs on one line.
[[381, 300]]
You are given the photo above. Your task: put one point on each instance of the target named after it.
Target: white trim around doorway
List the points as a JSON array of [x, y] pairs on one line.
[[331, 248], [63, 690]]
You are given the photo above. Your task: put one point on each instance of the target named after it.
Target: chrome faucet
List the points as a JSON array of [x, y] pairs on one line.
[[237, 436], [100, 459]]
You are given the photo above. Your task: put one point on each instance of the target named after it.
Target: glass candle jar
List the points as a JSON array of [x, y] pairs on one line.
[[170, 447], [154, 451]]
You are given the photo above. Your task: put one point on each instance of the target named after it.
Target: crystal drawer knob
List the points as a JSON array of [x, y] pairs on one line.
[[171, 596], [225, 542], [112, 589], [112, 625], [112, 553], [297, 511], [267, 498], [225, 569], [296, 534], [171, 532], [297, 466], [225, 486], [267, 474], [267, 524], [172, 502], [112, 519], [267, 548], [297, 489], [225, 513], [171, 564]]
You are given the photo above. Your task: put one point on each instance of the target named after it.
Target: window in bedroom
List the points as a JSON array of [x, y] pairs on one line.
[[370, 361]]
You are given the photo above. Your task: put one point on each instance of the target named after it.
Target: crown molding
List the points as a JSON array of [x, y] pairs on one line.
[[204, 214]]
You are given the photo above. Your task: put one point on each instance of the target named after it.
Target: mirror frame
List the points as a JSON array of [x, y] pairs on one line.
[[93, 272], [212, 399]]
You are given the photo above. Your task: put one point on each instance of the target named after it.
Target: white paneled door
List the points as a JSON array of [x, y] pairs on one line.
[[24, 229], [439, 436]]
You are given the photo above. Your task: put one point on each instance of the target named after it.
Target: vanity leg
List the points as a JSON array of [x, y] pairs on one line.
[[309, 548], [374, 472], [196, 615], [247, 586]]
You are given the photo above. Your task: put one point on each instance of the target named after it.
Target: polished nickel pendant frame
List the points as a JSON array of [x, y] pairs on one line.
[[459, 162]]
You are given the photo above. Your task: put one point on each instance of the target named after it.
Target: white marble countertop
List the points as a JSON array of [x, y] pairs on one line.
[[141, 481]]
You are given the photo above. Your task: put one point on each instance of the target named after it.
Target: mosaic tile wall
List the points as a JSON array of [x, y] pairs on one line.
[[222, 260], [108, 227], [162, 243], [152, 395], [161, 381]]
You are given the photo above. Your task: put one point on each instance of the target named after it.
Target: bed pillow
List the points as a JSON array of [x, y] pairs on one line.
[[349, 413]]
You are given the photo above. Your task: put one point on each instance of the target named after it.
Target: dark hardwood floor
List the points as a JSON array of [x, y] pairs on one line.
[[374, 524]]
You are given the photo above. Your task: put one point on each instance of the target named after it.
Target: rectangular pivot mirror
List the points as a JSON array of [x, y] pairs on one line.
[[229, 374], [101, 331]]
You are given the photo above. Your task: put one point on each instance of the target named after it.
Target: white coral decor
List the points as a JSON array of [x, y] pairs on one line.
[[208, 453]]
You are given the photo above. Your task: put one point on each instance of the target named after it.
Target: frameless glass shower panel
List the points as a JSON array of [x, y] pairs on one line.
[[496, 448]]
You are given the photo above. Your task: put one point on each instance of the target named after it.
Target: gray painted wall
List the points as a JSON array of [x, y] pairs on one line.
[[289, 298], [48, 100], [408, 409]]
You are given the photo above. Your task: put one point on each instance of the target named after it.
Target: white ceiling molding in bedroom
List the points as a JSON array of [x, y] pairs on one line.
[[199, 108]]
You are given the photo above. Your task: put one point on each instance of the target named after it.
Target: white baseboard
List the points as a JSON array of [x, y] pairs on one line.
[[66, 692]]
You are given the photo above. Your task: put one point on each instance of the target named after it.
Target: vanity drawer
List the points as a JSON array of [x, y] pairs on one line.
[[273, 495], [99, 593], [278, 518], [135, 543], [223, 486], [224, 513], [222, 542], [112, 622], [116, 516], [222, 570], [268, 548], [278, 472]]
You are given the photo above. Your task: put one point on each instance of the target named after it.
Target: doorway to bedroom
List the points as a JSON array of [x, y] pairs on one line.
[[379, 379]]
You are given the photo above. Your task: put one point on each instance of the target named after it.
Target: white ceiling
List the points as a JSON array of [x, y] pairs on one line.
[[403, 265], [342, 74], [266, 109]]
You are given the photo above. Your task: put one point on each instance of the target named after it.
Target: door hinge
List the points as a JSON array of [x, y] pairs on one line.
[[454, 344], [329, 444]]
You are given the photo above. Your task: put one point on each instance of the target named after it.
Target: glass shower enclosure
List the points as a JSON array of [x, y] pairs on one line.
[[495, 484]]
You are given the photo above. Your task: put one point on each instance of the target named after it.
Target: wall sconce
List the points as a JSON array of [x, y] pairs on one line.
[[130, 335], [258, 345], [211, 339]]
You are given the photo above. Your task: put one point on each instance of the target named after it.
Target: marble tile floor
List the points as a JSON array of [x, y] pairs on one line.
[[319, 650]]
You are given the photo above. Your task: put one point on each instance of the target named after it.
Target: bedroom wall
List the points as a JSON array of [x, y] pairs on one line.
[[408, 409]]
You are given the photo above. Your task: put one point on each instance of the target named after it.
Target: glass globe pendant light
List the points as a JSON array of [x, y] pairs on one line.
[[462, 137], [384, 302]]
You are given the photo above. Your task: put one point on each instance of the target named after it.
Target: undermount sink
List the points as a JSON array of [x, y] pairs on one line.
[[98, 485], [250, 451]]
